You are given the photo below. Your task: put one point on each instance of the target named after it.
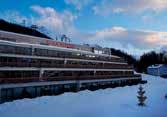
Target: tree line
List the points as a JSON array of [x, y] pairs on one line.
[[145, 60]]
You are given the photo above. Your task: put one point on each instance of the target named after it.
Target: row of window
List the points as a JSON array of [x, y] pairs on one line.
[[46, 74], [51, 53], [28, 62], [15, 50], [19, 74]]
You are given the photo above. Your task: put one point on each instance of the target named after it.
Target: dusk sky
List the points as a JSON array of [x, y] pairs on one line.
[[135, 26]]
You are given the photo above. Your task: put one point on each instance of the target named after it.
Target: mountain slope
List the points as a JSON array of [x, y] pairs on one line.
[[10, 27]]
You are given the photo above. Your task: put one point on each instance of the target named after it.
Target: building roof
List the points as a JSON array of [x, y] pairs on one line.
[[156, 66]]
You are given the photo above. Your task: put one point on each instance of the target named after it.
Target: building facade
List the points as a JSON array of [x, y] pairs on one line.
[[33, 66], [157, 70]]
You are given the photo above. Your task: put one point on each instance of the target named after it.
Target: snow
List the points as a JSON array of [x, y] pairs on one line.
[[116, 102]]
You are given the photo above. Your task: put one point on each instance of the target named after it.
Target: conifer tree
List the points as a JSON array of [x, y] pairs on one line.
[[141, 96]]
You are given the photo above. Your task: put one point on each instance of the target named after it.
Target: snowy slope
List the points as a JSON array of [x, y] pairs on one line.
[[110, 102]]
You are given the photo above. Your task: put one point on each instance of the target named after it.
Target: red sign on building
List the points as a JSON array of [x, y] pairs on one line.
[[59, 44]]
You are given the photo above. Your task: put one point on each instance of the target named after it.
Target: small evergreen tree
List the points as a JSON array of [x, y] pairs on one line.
[[141, 96]]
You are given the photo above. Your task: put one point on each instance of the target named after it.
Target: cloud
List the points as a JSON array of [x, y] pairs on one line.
[[79, 4], [106, 7], [164, 49], [132, 41], [63, 23], [147, 19], [13, 16], [139, 39], [57, 23]]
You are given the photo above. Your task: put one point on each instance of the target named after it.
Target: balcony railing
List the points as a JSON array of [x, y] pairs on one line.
[[65, 56], [52, 65], [63, 78]]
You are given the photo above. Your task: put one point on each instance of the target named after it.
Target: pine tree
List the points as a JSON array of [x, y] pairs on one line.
[[141, 96]]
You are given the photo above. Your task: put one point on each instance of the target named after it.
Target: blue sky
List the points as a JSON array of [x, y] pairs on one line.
[[135, 26]]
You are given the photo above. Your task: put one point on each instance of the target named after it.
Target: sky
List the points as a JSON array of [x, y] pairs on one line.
[[134, 26]]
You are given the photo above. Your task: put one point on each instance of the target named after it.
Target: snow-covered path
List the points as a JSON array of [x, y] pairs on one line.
[[110, 102]]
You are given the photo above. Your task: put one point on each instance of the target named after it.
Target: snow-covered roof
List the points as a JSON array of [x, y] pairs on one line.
[[18, 34], [156, 66]]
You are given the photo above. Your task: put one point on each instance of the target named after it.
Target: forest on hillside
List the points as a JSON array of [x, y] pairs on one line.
[[144, 61]]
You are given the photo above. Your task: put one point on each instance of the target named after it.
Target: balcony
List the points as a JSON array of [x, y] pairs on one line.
[[47, 53], [55, 65], [63, 78]]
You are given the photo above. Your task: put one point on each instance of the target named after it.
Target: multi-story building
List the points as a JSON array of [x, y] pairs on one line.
[[32, 66]]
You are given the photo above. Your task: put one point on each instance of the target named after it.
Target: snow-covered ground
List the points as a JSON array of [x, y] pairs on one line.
[[117, 102]]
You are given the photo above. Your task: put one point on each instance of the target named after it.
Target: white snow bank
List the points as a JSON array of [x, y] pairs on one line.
[[117, 102]]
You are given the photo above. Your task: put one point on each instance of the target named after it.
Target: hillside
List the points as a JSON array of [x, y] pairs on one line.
[[127, 57], [6, 26], [144, 61]]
